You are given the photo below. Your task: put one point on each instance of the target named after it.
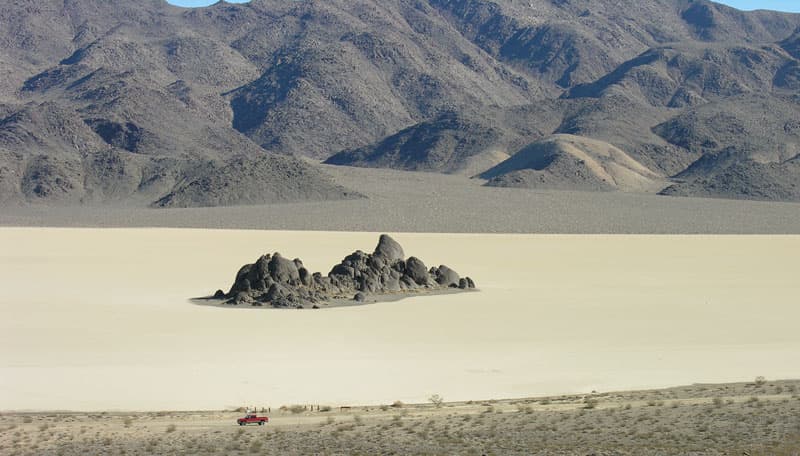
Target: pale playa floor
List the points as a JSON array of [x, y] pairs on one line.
[[99, 319]]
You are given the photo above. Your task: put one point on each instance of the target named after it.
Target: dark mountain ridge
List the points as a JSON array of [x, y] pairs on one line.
[[143, 102]]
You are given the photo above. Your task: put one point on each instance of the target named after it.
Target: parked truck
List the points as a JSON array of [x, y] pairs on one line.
[[252, 418]]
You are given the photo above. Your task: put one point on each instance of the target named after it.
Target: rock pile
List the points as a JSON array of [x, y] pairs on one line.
[[279, 282]]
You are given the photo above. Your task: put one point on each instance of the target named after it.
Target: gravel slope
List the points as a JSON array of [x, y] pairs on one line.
[[398, 201]]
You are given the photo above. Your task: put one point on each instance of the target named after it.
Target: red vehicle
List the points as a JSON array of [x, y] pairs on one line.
[[252, 418]]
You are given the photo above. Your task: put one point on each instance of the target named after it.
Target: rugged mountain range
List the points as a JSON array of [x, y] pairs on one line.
[[145, 103]]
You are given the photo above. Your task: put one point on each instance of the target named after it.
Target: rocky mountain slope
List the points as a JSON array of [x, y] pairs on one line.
[[146, 103], [574, 162]]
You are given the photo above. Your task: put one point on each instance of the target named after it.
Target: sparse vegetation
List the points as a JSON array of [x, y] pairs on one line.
[[436, 400], [625, 422]]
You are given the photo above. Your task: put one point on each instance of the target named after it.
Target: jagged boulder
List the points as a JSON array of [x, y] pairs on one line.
[[279, 282], [445, 276], [416, 269], [389, 249], [283, 270]]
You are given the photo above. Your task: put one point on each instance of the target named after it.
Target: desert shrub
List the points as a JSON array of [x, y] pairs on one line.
[[151, 446], [358, 420], [397, 404], [590, 403], [760, 380], [325, 408], [171, 428], [127, 422], [330, 420], [545, 402], [27, 419], [384, 407], [255, 447], [43, 427], [718, 402], [436, 400], [297, 409]]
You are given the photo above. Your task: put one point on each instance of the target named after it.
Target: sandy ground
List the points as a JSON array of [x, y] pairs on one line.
[[754, 419], [100, 319], [426, 202]]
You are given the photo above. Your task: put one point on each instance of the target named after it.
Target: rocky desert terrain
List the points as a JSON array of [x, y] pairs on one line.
[[409, 201], [620, 177], [119, 102], [760, 418]]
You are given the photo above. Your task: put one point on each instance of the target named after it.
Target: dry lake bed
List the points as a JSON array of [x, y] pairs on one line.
[[101, 319]]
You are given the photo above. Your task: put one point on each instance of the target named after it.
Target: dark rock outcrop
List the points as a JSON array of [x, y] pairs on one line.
[[389, 249], [445, 276], [416, 269], [279, 282]]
